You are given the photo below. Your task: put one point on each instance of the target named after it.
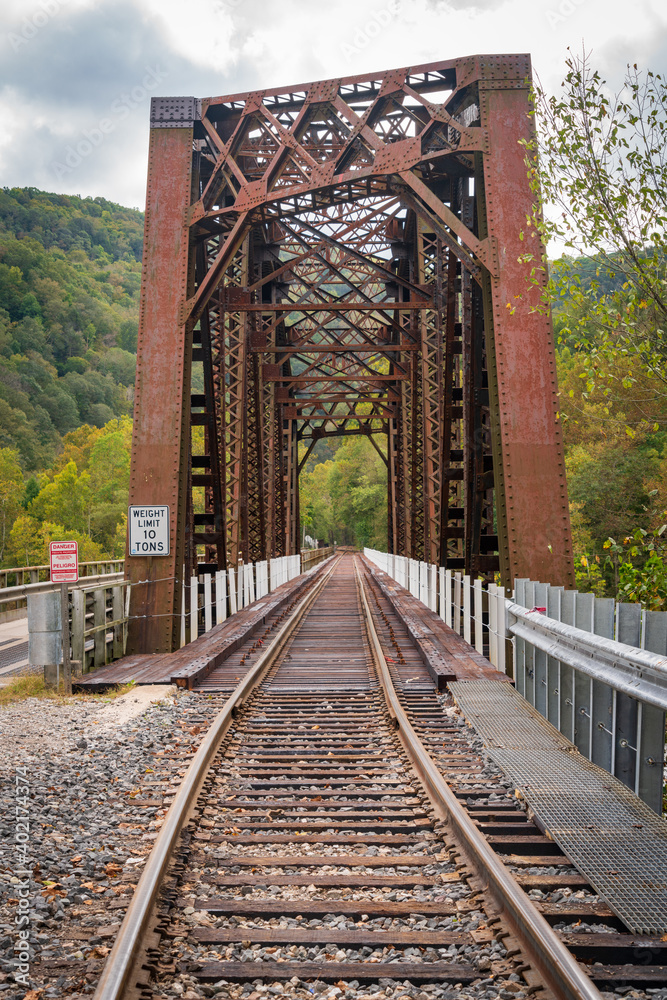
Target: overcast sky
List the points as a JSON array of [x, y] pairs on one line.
[[68, 65]]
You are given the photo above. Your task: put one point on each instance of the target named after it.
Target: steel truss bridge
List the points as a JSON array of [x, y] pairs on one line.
[[335, 258]]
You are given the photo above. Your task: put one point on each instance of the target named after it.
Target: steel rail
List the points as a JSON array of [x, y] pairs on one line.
[[113, 984], [547, 954]]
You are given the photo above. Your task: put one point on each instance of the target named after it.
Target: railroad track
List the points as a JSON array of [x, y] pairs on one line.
[[314, 845]]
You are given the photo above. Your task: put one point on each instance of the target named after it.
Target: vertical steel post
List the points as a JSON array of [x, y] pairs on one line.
[[64, 618], [531, 492], [652, 742], [161, 431], [601, 712]]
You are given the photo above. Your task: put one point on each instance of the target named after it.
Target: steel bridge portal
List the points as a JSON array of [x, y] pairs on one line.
[[345, 257]]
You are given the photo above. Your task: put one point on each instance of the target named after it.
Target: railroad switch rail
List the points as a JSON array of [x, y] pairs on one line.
[[315, 838]]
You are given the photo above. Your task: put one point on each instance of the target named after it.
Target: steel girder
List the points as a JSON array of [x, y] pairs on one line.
[[344, 257]]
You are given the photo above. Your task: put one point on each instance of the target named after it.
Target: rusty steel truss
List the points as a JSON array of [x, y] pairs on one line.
[[344, 257]]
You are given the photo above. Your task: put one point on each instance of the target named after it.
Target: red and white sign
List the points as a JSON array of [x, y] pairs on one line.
[[64, 558]]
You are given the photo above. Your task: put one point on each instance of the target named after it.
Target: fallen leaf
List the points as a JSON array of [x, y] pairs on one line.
[[51, 891]]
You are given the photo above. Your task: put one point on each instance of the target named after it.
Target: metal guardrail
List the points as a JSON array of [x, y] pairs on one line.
[[607, 697], [637, 672], [20, 576], [595, 669], [12, 594]]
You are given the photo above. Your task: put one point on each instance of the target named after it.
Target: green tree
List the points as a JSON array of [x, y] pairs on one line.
[[607, 482], [640, 568], [346, 497], [11, 493], [127, 336], [315, 499], [66, 501], [89, 550], [599, 163], [31, 491], [109, 469], [588, 564], [25, 545]]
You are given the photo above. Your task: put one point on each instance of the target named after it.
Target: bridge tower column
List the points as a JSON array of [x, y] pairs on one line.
[[531, 491], [160, 442]]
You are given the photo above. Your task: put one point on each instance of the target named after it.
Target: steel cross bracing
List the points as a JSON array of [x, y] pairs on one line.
[[342, 257]]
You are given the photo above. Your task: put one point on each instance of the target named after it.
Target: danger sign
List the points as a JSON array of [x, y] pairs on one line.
[[64, 561], [148, 529]]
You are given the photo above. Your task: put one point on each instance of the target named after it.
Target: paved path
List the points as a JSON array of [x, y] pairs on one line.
[[13, 648]]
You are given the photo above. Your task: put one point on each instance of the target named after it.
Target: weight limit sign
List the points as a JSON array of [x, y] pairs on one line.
[[148, 529]]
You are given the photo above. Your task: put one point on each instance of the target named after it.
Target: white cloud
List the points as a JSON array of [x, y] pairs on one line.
[[82, 55], [198, 29]]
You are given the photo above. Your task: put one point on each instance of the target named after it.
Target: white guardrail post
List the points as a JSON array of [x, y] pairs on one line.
[[479, 615]]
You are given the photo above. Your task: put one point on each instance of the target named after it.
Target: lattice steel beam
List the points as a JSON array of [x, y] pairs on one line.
[[338, 257]]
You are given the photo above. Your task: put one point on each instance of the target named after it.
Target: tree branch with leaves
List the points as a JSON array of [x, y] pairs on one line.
[[598, 168]]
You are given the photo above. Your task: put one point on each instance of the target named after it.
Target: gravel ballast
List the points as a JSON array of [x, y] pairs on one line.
[[100, 777]]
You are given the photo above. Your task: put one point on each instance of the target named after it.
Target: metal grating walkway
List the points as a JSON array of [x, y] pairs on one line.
[[613, 838]]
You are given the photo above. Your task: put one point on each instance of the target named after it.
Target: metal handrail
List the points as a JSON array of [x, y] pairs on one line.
[[6, 571], [46, 587], [636, 672]]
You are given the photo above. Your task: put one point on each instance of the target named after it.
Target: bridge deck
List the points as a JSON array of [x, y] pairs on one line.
[[446, 655]]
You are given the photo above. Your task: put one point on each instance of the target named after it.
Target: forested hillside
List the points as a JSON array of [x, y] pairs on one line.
[[70, 272]]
